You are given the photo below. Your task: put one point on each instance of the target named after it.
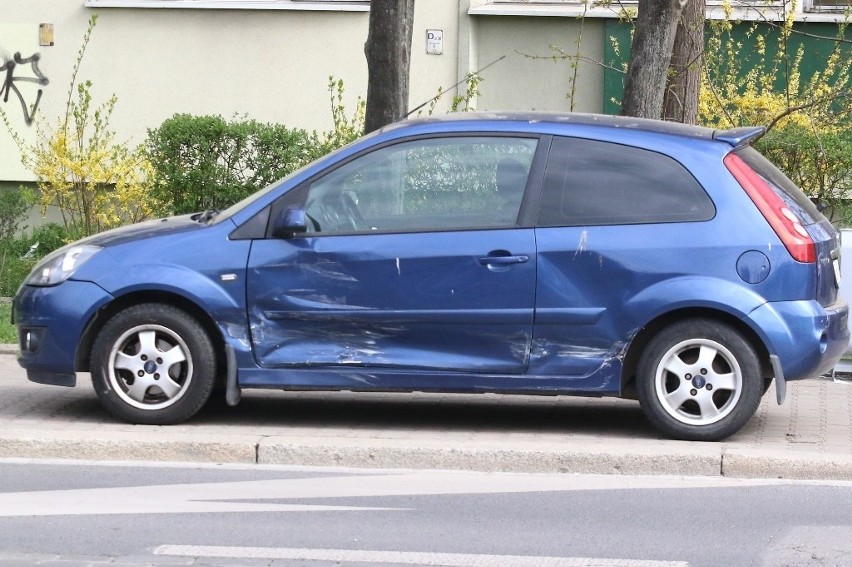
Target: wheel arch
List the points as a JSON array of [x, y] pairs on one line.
[[120, 303], [648, 331]]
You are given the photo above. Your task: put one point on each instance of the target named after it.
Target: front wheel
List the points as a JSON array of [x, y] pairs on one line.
[[153, 364], [699, 380]]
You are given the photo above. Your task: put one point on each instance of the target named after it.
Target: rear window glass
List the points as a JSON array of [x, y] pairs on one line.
[[794, 197], [590, 182]]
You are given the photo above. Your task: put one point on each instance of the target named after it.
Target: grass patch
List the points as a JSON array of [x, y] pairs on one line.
[[8, 334]]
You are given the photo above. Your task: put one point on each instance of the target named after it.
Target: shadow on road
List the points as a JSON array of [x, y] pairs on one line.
[[402, 412], [270, 412]]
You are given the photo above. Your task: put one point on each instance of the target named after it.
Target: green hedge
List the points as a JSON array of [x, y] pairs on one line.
[[19, 254], [818, 162], [207, 162]]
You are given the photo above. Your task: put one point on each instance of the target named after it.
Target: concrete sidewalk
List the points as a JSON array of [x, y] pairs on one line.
[[809, 437]]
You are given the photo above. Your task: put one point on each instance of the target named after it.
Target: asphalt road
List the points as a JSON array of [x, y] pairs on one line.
[[84, 513]]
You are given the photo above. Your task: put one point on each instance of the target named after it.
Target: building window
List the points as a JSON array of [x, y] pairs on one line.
[[829, 5], [307, 5]]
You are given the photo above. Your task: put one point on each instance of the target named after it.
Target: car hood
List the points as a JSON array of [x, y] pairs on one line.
[[142, 230]]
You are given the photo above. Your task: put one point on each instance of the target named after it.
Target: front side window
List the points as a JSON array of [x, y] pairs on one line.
[[429, 184], [589, 182]]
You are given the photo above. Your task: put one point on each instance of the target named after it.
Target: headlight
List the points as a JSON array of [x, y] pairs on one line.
[[57, 267]]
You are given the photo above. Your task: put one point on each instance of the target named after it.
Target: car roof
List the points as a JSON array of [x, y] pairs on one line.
[[499, 119]]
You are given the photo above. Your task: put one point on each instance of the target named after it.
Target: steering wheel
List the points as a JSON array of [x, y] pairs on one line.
[[349, 208]]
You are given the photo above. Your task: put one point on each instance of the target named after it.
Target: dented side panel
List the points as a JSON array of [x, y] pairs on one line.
[[419, 301], [594, 295]]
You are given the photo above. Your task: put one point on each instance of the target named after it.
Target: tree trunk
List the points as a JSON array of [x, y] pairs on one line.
[[681, 98], [650, 55], [388, 51]]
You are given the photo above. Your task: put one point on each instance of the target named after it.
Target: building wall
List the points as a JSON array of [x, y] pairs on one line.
[[522, 81], [270, 65], [274, 65]]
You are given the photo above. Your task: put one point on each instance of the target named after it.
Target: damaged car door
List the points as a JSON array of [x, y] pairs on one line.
[[615, 222], [406, 257]]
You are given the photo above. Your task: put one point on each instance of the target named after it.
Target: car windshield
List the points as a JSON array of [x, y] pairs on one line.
[[239, 205]]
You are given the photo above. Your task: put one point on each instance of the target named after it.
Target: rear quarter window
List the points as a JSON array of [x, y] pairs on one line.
[[590, 182]]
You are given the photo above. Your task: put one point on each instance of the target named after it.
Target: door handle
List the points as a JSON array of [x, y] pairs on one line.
[[503, 260]]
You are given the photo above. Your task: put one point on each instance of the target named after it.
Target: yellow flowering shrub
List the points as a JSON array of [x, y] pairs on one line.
[[768, 88], [809, 119], [95, 181]]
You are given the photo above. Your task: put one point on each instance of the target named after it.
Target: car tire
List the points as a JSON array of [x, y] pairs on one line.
[[699, 380], [153, 364]]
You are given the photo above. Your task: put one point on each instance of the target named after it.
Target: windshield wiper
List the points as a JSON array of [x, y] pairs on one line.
[[206, 216]]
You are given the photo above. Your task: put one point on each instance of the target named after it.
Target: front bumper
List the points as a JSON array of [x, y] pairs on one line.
[[51, 322], [807, 338]]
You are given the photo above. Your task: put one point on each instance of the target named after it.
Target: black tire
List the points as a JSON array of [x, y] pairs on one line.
[[699, 380], [153, 364]]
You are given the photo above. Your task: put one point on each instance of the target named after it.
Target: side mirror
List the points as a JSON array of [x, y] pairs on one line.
[[290, 222]]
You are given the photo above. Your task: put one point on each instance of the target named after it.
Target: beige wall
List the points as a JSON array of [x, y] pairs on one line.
[[519, 82], [14, 38], [273, 65], [270, 64]]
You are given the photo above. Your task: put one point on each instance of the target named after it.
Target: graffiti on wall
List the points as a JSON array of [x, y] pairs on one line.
[[12, 75]]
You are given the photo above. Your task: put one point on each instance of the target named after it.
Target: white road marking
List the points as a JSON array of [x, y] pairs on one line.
[[404, 557], [583, 481], [254, 496]]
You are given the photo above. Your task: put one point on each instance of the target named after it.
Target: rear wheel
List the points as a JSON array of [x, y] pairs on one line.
[[699, 380], [153, 364]]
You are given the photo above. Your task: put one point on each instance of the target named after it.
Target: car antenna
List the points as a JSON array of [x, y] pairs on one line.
[[443, 92]]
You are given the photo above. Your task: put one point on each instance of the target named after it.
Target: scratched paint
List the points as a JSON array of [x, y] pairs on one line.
[[391, 300], [584, 242]]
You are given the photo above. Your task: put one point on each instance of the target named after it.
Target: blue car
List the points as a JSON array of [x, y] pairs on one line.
[[548, 254]]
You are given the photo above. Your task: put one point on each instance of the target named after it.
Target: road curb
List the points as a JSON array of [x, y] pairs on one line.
[[579, 458], [576, 457], [590, 457], [756, 463], [130, 446], [9, 349]]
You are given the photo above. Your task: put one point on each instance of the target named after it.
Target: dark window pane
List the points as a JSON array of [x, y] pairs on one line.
[[836, 4], [593, 183]]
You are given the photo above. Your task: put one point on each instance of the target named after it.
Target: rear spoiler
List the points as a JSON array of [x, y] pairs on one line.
[[738, 137]]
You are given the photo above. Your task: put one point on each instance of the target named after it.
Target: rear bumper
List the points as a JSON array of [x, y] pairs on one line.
[[807, 338], [50, 322]]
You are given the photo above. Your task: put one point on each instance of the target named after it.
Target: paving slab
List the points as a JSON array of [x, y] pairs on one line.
[[810, 436]]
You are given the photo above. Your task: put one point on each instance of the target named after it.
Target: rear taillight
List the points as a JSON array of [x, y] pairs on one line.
[[783, 221]]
